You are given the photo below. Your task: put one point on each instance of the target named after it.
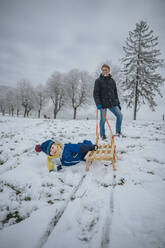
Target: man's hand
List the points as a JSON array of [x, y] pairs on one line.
[[99, 106]]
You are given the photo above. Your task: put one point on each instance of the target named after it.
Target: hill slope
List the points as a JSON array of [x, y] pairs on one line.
[[74, 208]]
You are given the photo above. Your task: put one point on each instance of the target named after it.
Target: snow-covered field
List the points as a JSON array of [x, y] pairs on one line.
[[74, 208]]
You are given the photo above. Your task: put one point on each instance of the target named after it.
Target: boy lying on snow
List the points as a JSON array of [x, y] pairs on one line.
[[68, 155]]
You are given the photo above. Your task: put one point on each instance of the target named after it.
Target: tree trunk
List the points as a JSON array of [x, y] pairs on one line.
[[39, 113], [55, 113], [25, 112], [135, 107], [74, 115], [12, 111], [28, 111], [136, 92], [17, 112]]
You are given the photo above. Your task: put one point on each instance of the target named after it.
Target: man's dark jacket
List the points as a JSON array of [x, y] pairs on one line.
[[105, 92]]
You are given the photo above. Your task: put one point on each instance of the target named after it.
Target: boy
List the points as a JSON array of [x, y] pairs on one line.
[[68, 155]]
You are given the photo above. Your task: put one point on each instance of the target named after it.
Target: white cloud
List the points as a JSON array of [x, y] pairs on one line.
[[38, 37]]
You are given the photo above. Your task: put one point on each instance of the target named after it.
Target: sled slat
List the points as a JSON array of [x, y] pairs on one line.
[[104, 152]]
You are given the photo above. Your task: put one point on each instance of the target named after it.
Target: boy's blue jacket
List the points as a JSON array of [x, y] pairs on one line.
[[73, 153]]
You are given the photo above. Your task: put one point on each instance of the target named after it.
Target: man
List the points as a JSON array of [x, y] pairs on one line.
[[106, 97]]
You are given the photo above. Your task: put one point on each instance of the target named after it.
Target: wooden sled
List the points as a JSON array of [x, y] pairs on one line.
[[105, 151]]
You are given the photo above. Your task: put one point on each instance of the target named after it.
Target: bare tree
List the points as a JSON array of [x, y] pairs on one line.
[[27, 96], [11, 101], [7, 99], [18, 100], [40, 98], [3, 104], [77, 88], [56, 92]]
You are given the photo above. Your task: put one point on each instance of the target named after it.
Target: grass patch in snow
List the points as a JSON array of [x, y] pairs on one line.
[[26, 150], [16, 155], [106, 185], [131, 146], [61, 180], [73, 198], [15, 216], [27, 198], [136, 137], [2, 162], [62, 191], [47, 185], [137, 183], [12, 149], [7, 136], [151, 172], [120, 183], [17, 191], [155, 160], [122, 152]]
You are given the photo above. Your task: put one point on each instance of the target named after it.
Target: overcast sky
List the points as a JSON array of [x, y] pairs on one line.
[[38, 37]]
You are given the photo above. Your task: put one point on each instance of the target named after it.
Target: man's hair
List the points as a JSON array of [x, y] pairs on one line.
[[105, 65]]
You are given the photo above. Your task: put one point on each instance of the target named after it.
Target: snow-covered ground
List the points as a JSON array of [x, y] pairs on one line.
[[74, 208]]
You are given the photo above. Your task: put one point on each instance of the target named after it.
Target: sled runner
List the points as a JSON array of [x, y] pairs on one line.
[[105, 151]]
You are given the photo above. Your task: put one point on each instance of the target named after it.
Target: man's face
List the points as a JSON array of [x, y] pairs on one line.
[[53, 149], [105, 71]]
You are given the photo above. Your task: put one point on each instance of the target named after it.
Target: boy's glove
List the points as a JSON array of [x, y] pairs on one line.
[[119, 106], [99, 106], [96, 147], [74, 155], [59, 167]]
